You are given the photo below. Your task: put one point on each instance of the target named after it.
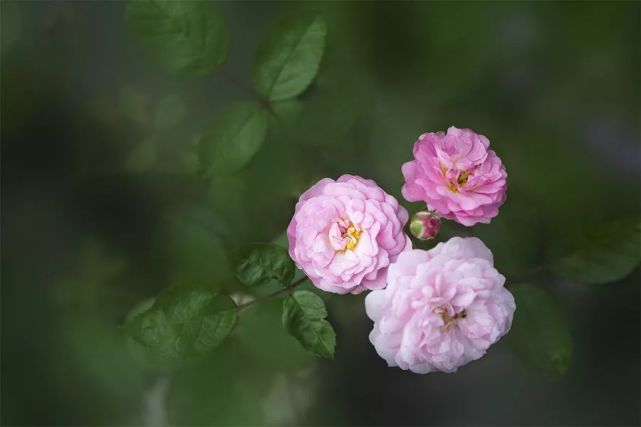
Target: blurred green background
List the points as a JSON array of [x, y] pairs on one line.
[[102, 207]]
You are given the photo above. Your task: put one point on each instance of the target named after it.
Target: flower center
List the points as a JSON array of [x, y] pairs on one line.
[[343, 235], [352, 234], [462, 178], [449, 321]]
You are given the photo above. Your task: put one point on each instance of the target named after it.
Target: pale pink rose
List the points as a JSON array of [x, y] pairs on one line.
[[457, 176], [441, 309], [345, 233]]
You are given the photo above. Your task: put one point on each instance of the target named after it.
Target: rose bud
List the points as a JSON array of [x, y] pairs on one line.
[[425, 225]]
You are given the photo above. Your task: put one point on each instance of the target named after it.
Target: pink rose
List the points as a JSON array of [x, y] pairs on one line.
[[457, 176], [345, 233], [441, 309]]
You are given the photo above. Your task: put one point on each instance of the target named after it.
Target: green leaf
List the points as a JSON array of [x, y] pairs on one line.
[[607, 254], [183, 324], [304, 316], [288, 60], [540, 335], [233, 138], [265, 264], [188, 37]]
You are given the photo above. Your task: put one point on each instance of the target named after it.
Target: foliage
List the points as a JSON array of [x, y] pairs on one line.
[[607, 254], [304, 316], [233, 138], [265, 264], [179, 175], [185, 36], [288, 60], [183, 323], [540, 335]]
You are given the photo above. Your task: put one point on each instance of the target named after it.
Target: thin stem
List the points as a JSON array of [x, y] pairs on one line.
[[239, 84], [287, 289]]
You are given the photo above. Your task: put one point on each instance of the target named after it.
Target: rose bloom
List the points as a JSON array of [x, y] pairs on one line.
[[345, 233], [441, 309], [457, 175]]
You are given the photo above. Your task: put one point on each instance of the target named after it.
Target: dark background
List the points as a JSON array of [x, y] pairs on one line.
[[92, 223]]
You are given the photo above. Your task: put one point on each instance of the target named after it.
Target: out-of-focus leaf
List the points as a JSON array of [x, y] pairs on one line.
[[143, 157], [188, 37], [191, 241], [168, 112], [261, 333], [188, 158], [304, 316], [233, 138], [288, 60], [134, 106], [607, 254], [540, 335], [137, 350], [266, 264], [224, 390], [184, 324]]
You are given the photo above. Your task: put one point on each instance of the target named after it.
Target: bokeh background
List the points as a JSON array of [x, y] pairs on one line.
[[102, 207]]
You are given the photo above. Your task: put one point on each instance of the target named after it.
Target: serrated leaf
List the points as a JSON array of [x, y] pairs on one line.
[[304, 316], [288, 60], [233, 138], [188, 37], [266, 264], [540, 335], [607, 254], [184, 323]]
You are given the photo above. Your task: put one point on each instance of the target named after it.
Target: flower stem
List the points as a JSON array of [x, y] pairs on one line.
[[239, 84], [287, 289]]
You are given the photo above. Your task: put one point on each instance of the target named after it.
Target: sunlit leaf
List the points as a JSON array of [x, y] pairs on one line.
[[184, 323], [266, 264], [187, 37], [233, 138], [607, 254], [540, 335], [304, 316], [288, 60]]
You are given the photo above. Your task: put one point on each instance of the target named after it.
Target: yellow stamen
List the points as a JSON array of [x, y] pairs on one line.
[[449, 321], [352, 234], [462, 178]]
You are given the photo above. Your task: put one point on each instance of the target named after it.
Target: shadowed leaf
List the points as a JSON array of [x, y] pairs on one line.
[[188, 37], [540, 335]]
